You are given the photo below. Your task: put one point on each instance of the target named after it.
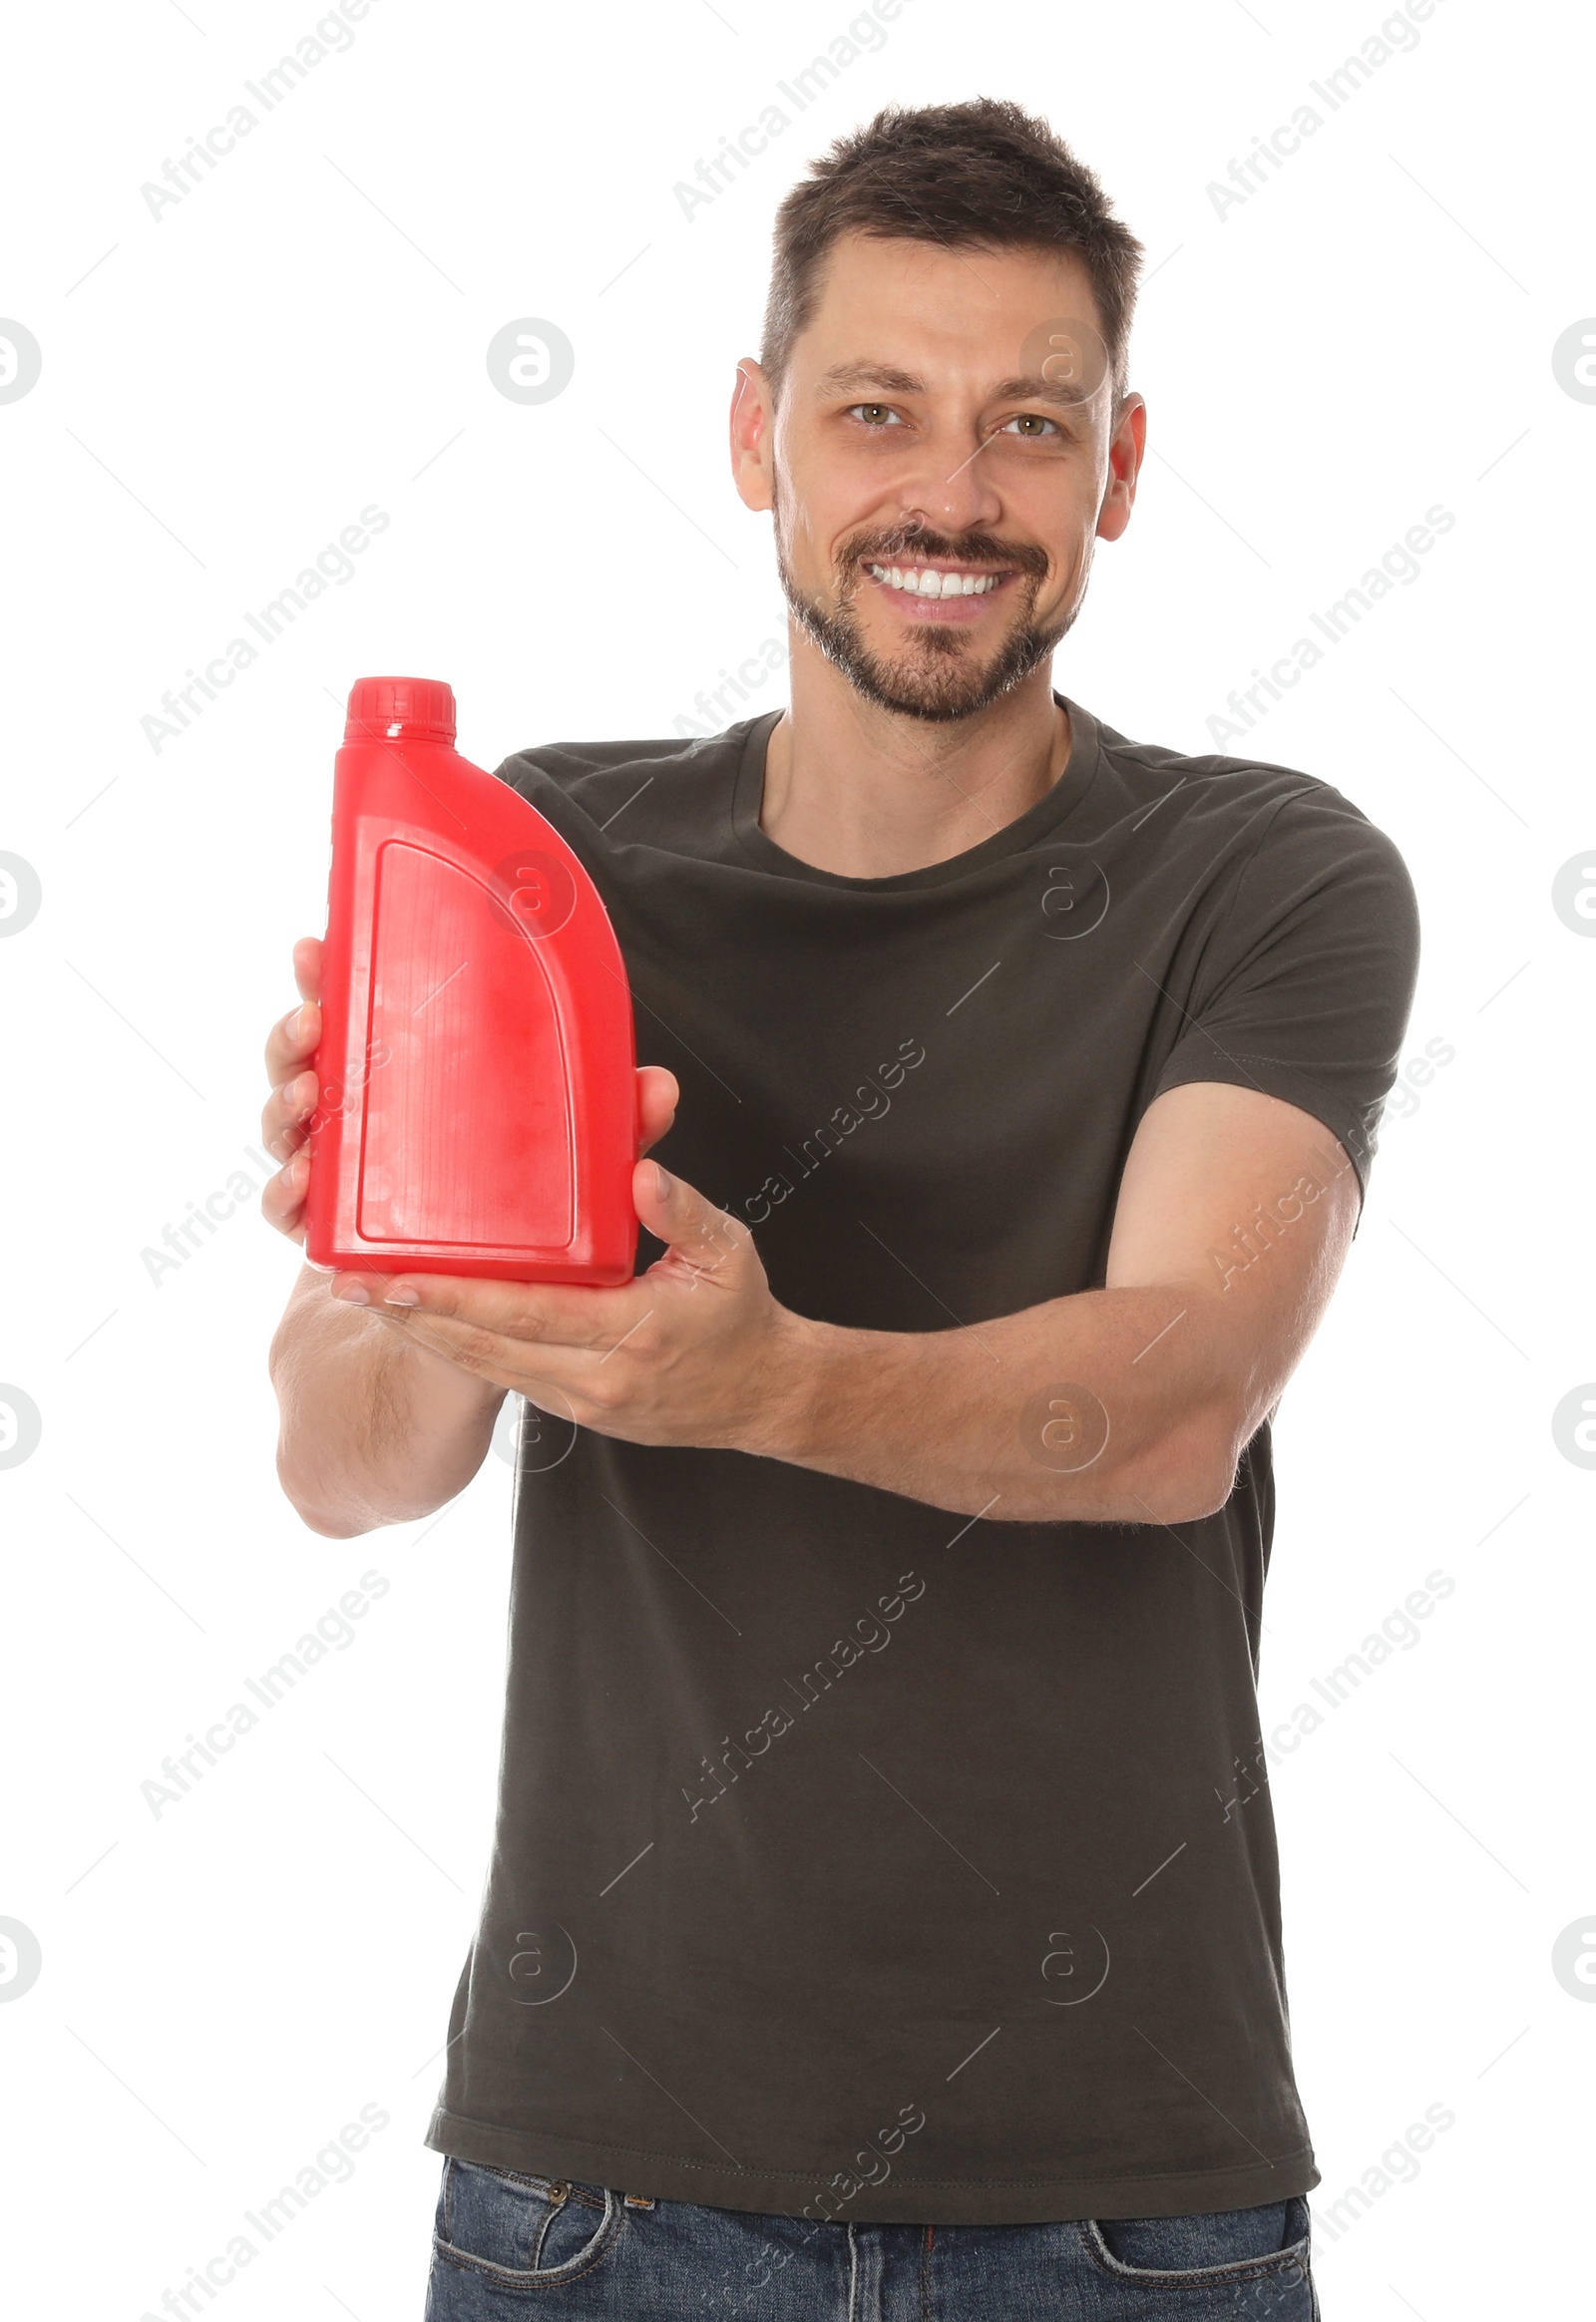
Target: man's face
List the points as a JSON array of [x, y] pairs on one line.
[[943, 454]]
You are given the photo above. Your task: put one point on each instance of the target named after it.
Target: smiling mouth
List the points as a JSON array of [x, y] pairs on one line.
[[933, 582]]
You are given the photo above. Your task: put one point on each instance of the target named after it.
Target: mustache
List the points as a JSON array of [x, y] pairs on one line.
[[975, 551]]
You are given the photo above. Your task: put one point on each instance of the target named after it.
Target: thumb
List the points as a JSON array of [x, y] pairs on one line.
[[685, 1220]]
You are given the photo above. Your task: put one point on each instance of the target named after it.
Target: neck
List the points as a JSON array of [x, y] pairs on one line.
[[869, 793]]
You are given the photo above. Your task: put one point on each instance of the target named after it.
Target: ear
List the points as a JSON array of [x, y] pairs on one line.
[[752, 416], [1127, 449]]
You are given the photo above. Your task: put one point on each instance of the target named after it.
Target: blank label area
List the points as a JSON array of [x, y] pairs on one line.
[[466, 1131]]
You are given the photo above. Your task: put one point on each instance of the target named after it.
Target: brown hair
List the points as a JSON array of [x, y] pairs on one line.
[[980, 174]]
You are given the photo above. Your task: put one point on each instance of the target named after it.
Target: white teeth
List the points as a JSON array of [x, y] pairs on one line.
[[919, 581]]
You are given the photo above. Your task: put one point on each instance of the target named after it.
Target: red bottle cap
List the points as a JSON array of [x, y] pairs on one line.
[[416, 709]]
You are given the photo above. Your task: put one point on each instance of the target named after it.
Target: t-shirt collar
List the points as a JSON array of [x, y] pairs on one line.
[[1039, 822]]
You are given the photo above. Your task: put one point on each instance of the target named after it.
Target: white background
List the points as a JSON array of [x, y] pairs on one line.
[[223, 388]]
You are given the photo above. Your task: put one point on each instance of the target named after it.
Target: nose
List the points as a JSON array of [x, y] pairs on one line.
[[946, 479]]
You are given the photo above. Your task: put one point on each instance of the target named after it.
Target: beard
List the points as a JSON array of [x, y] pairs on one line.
[[938, 676]]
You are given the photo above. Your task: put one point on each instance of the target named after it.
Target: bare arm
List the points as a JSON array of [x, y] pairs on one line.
[[1123, 1404], [372, 1431], [375, 1427]]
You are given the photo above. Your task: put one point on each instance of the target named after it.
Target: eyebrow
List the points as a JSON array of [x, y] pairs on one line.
[[1031, 389]]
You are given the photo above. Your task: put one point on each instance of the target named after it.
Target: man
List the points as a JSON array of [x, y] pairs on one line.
[[883, 1916]]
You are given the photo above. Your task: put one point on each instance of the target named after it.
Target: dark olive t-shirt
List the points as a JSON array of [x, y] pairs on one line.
[[855, 1859]]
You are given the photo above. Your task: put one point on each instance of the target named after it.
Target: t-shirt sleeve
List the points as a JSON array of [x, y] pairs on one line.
[[1307, 976]]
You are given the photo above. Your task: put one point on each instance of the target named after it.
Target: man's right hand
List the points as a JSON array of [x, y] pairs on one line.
[[286, 1112], [375, 1429], [286, 1116]]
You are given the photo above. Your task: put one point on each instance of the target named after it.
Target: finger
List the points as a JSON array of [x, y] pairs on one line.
[[352, 1288], [695, 1232], [295, 1037], [308, 966], [529, 1313], [556, 1385], [657, 1097], [549, 1370], [282, 1198], [285, 1115], [293, 1041]]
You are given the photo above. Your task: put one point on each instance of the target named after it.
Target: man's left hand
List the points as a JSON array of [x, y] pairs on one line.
[[696, 1351]]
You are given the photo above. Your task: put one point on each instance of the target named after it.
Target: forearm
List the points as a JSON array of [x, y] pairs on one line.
[[375, 1429], [1100, 1408]]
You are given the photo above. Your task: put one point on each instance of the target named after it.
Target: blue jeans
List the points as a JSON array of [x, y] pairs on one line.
[[509, 2245]]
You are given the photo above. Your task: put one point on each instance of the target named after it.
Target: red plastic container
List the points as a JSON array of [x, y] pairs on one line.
[[478, 1107]]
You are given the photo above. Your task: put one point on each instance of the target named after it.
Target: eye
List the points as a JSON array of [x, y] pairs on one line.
[[881, 410], [1027, 422]]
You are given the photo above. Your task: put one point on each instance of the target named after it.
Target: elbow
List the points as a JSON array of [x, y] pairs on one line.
[[329, 1527], [329, 1523], [1183, 1481], [1204, 1495], [1178, 1500]]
